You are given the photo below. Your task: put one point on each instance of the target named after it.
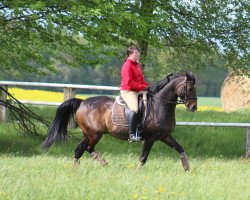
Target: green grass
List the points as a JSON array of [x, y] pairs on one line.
[[218, 170], [48, 177], [209, 101]]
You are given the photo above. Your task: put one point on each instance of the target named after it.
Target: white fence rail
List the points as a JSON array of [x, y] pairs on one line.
[[59, 85], [69, 92]]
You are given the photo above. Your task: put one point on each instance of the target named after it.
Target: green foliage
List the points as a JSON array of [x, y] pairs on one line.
[[34, 34], [210, 80]]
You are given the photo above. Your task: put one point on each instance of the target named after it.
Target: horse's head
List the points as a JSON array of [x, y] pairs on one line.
[[187, 92]]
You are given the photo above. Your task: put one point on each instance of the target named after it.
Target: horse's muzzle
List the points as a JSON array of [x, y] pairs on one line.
[[192, 106]]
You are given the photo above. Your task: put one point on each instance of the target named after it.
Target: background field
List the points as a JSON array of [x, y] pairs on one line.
[[50, 96], [218, 169]]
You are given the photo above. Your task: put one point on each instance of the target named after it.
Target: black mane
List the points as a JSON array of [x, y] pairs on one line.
[[161, 84]]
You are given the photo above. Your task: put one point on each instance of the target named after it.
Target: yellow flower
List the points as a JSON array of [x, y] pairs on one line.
[[39, 95], [183, 194], [135, 196], [130, 166], [4, 195], [161, 189], [210, 108]]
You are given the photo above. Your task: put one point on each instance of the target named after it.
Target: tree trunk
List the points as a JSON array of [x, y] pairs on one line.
[[145, 12]]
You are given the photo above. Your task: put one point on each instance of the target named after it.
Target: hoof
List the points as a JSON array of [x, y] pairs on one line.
[[140, 165], [184, 162], [76, 162], [98, 157], [103, 162], [186, 168]]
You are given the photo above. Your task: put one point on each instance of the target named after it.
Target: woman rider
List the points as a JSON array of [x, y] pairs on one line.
[[132, 84]]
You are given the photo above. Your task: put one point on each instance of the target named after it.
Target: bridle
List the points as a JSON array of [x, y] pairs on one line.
[[183, 95]]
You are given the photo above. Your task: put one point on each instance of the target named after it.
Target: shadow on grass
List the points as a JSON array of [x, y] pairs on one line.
[[197, 142]]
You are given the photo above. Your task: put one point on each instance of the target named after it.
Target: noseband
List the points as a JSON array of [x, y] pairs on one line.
[[183, 95]]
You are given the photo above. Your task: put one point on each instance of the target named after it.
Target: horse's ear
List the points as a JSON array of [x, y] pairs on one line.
[[189, 75]]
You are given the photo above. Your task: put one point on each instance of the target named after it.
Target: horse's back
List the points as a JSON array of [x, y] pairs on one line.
[[93, 113], [98, 101]]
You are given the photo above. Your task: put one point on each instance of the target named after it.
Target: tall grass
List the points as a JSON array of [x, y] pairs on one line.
[[218, 170], [48, 177]]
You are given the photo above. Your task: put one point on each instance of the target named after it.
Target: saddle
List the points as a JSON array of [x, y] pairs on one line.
[[121, 112]]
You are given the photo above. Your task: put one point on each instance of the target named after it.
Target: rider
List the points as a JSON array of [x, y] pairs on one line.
[[132, 84]]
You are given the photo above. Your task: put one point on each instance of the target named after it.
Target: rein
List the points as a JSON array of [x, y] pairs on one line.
[[168, 101]]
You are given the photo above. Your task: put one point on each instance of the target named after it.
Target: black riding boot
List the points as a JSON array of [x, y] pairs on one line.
[[132, 127]]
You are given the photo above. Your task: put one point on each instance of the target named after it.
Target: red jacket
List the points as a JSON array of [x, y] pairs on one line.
[[132, 77]]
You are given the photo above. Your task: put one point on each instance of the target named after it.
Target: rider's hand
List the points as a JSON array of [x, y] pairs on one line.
[[147, 89]]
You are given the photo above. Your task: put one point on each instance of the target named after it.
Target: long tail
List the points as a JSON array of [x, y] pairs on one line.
[[58, 128]]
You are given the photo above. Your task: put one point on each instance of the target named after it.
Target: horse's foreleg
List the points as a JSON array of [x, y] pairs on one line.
[[147, 145], [170, 141], [80, 149]]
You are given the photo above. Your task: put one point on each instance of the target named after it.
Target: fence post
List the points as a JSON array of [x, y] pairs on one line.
[[248, 143], [3, 109], [68, 94]]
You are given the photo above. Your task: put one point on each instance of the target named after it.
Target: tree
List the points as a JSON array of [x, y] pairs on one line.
[[190, 32]]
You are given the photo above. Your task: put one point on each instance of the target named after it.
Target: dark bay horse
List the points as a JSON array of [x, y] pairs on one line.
[[93, 116]]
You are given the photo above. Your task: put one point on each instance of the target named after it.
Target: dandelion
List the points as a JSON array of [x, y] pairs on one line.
[[135, 196], [130, 166], [183, 194], [161, 189], [4, 195]]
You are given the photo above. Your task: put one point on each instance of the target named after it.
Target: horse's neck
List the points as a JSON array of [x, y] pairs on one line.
[[166, 98], [168, 93]]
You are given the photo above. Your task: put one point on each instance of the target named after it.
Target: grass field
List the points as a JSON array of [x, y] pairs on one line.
[[218, 169]]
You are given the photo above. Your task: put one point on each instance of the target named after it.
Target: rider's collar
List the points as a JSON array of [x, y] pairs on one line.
[[132, 61]]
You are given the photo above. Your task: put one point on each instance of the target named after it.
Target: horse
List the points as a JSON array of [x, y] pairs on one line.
[[94, 117]]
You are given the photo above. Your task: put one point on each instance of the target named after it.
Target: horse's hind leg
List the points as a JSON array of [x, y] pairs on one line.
[[170, 141], [80, 149], [98, 157], [91, 149]]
